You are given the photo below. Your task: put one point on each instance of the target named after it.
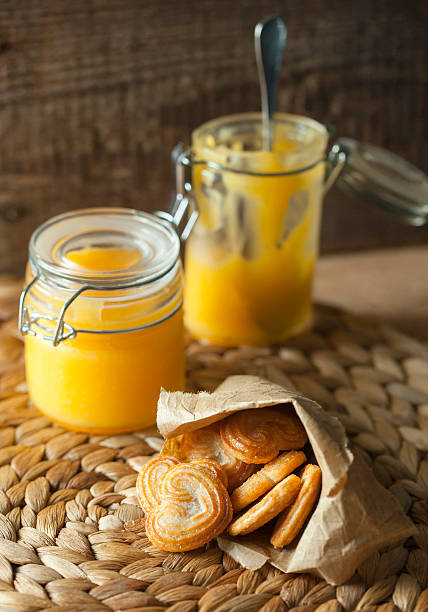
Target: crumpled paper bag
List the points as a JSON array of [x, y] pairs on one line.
[[354, 516]]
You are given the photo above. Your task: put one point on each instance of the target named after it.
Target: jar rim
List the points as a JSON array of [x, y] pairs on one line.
[[304, 150], [155, 239]]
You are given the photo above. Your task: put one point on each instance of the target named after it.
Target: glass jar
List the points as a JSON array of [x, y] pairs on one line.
[[102, 316], [250, 257]]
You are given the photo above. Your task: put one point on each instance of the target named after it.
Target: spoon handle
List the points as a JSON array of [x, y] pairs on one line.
[[269, 39]]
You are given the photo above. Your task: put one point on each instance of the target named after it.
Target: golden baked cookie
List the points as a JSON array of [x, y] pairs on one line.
[[149, 479], [213, 468], [257, 436], [266, 478], [278, 498], [291, 521], [206, 443], [193, 509]]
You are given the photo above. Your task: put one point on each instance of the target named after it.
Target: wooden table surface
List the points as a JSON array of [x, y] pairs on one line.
[[391, 284]]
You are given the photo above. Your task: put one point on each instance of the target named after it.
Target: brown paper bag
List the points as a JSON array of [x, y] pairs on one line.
[[354, 516]]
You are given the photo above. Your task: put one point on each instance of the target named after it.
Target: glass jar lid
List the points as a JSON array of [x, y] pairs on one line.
[[148, 247], [378, 175]]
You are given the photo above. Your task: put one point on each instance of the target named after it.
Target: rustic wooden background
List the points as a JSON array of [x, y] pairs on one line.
[[95, 93]]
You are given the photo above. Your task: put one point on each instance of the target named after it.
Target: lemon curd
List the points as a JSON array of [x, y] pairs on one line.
[[123, 337], [250, 259], [99, 259]]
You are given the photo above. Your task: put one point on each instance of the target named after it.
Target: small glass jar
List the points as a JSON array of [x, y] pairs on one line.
[[250, 258], [102, 316]]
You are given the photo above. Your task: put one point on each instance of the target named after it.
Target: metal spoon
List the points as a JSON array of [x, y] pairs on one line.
[[269, 39]]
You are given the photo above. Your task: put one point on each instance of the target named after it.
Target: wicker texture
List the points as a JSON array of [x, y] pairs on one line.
[[93, 96], [70, 535]]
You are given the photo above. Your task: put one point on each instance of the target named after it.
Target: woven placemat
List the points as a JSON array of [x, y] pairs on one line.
[[66, 498]]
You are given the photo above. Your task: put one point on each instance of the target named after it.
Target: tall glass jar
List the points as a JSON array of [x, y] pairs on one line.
[[102, 315], [250, 257]]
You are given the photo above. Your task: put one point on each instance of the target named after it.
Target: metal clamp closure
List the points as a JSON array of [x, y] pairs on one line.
[[24, 318], [336, 161], [183, 200], [64, 331]]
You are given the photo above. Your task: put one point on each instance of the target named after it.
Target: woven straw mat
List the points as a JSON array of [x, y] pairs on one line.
[[67, 500]]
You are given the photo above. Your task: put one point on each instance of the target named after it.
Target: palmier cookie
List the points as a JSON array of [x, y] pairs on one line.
[[278, 498], [149, 479], [213, 468], [257, 436], [266, 478], [193, 509], [291, 521], [206, 443]]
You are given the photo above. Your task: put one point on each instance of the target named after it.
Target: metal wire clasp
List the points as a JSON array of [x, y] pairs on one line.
[[61, 331], [336, 160], [183, 200]]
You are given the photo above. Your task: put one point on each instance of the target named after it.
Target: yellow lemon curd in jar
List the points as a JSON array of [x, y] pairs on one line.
[[107, 383], [250, 259]]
